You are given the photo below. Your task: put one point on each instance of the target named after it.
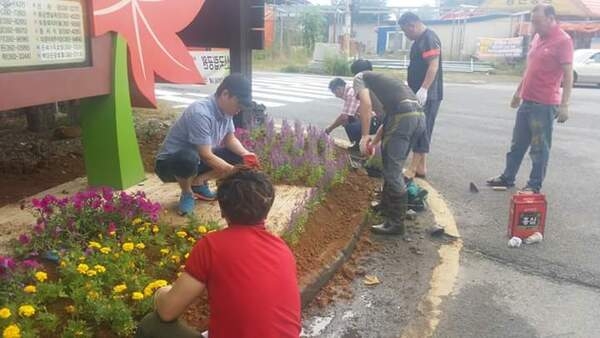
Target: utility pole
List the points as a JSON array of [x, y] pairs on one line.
[[347, 27]]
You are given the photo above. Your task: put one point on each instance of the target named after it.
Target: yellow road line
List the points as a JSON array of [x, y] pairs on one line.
[[444, 275]]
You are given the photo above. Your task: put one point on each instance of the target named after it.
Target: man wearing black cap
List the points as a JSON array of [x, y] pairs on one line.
[[403, 124], [201, 144]]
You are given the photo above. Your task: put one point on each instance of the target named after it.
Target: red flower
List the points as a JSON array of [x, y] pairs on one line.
[[150, 28]]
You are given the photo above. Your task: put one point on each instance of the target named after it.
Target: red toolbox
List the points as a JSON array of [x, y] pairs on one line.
[[527, 215]]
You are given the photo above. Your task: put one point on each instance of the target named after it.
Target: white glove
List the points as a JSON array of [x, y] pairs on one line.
[[562, 114], [422, 96], [364, 144]]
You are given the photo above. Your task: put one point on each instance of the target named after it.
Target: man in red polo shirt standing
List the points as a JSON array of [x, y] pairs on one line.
[[539, 99], [249, 274]]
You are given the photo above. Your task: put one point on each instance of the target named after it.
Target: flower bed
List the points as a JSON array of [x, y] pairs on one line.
[[92, 261]]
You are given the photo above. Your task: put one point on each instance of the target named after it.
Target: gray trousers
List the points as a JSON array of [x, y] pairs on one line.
[[153, 327], [400, 132]]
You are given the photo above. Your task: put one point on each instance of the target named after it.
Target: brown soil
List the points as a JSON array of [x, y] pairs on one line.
[[33, 162], [333, 224]]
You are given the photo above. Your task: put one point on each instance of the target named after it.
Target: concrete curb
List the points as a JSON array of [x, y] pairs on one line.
[[317, 280]]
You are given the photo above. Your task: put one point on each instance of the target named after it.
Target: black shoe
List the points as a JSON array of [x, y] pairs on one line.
[[499, 181], [386, 229], [529, 190]]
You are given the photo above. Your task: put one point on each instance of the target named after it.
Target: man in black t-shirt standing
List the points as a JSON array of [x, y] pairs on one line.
[[425, 79], [403, 124]]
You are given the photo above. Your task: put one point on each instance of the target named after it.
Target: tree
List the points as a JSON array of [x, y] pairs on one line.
[[313, 26]]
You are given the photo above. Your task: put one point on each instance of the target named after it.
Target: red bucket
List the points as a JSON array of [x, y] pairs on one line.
[[527, 215]]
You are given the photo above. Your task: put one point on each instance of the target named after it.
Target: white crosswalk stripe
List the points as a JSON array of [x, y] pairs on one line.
[[272, 90]]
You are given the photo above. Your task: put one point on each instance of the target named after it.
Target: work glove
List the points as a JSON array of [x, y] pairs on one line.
[[422, 96], [365, 145], [251, 161], [562, 114]]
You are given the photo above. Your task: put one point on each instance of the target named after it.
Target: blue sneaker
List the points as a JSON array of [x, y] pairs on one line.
[[187, 203], [203, 192]]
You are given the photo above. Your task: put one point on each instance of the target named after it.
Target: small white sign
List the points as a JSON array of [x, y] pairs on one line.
[[214, 66]]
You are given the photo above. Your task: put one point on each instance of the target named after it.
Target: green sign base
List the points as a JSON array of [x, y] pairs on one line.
[[111, 152]]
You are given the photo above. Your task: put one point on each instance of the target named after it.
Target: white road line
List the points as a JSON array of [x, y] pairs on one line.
[[177, 99], [290, 92], [196, 94], [286, 84], [294, 88], [165, 92], [279, 97], [180, 106], [270, 104]]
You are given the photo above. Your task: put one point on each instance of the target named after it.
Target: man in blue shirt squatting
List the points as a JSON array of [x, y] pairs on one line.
[[201, 145]]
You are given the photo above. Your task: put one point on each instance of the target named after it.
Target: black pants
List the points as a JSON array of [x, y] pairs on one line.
[[186, 163]]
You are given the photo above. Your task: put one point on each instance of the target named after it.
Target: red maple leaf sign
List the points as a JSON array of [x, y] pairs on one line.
[[150, 27]]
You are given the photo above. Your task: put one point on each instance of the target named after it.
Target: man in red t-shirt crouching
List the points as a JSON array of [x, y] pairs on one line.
[[249, 274]]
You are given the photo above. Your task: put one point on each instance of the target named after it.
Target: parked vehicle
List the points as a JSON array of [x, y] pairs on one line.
[[586, 66]]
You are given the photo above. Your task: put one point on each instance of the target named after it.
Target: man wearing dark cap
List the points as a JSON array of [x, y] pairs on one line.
[[201, 145], [403, 123], [425, 78]]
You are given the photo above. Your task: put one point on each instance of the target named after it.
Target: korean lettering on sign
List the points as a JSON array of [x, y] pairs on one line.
[[41, 32]]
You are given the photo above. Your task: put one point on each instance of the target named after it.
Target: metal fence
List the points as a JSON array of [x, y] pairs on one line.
[[448, 66]]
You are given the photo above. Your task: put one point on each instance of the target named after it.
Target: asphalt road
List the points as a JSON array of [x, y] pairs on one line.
[[551, 289]]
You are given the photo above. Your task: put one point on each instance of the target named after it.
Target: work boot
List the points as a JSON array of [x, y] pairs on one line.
[[388, 229]]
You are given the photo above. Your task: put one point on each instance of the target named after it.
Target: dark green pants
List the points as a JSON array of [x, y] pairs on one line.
[[153, 327]]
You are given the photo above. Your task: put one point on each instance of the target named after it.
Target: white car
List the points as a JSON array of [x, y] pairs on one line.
[[586, 66]]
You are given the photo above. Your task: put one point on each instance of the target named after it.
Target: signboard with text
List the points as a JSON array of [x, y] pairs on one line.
[[212, 65], [42, 34], [489, 48], [563, 7]]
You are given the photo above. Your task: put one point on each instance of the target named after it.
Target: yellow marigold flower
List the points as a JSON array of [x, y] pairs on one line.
[[30, 289], [148, 291], [41, 276], [93, 295], [192, 240], [160, 283], [82, 268], [94, 245], [82, 258], [140, 246], [70, 308], [99, 268], [175, 258], [181, 234], [5, 313], [11, 331], [128, 246], [186, 255], [147, 224], [137, 221], [26, 310], [164, 251], [137, 296], [91, 273], [119, 288], [141, 229], [105, 250], [155, 229], [202, 229], [63, 264]]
